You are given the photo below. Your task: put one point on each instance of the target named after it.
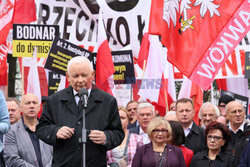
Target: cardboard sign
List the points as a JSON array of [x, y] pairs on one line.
[[61, 52], [124, 67], [27, 36], [242, 99], [54, 81], [247, 65]]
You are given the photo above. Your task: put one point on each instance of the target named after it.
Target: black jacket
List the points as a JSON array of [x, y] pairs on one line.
[[201, 160], [238, 143], [135, 130], [101, 114], [195, 139]]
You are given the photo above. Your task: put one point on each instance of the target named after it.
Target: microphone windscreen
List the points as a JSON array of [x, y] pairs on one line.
[[83, 91]]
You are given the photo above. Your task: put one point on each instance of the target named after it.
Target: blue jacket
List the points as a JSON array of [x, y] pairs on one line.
[[245, 160], [4, 118]]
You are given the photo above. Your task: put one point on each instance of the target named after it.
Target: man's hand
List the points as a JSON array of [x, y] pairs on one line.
[[97, 136], [65, 132]]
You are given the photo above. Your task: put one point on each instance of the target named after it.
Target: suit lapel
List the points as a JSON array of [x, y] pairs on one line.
[[150, 154], [27, 143]]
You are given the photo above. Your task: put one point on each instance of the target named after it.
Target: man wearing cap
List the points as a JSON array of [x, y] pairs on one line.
[[223, 100]]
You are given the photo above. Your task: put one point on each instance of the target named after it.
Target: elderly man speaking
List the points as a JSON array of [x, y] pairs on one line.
[[61, 120]]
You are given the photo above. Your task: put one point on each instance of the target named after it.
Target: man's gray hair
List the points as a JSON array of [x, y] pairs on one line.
[[79, 59], [145, 104], [207, 105]]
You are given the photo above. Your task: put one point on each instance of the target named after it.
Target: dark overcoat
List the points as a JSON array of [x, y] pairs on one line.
[[101, 114]]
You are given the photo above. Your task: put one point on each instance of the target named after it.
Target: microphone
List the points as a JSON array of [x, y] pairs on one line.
[[83, 94]]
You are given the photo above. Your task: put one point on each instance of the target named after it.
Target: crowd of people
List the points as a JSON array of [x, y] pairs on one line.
[[134, 135]]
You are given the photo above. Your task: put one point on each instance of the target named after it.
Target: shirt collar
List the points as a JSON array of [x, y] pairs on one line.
[[141, 131], [89, 91], [240, 128], [190, 126]]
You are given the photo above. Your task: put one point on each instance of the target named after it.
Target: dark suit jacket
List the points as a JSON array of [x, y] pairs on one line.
[[101, 114], [245, 160], [144, 156], [135, 130], [195, 139]]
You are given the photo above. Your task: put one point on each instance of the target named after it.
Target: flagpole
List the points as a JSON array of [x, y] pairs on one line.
[[22, 78], [166, 99], [212, 94]]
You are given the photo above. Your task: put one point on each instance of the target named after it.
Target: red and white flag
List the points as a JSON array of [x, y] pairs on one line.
[[202, 32], [3, 65], [235, 85], [193, 91], [24, 11], [6, 13], [104, 63], [152, 83], [33, 78]]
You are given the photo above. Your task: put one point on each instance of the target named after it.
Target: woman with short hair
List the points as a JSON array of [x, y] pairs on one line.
[[158, 153], [217, 137]]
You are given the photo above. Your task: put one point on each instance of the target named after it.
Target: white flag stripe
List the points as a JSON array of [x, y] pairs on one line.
[[33, 77], [154, 70]]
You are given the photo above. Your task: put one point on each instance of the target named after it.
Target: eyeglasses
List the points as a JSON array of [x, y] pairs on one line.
[[235, 111], [216, 138], [157, 131]]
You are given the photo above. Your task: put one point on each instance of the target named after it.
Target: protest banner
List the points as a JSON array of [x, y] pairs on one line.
[[247, 65], [61, 52], [124, 66], [28, 36], [54, 80]]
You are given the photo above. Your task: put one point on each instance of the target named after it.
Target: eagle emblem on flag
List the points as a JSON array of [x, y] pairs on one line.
[[171, 9]]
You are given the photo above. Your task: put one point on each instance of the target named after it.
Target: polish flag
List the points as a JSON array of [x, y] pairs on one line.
[[169, 72], [33, 78], [193, 91], [6, 14], [24, 11], [232, 85], [3, 65], [63, 83], [104, 63], [152, 81], [144, 50]]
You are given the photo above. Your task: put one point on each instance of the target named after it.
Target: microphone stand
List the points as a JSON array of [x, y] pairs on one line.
[[83, 94], [84, 135]]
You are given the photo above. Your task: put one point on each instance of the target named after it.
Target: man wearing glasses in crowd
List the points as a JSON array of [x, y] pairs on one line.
[[240, 131]]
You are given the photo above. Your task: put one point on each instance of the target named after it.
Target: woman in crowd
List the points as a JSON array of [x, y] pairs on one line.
[[178, 138], [124, 153], [217, 136], [158, 153]]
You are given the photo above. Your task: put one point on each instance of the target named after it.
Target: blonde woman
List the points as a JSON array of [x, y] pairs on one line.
[[158, 153], [123, 154]]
